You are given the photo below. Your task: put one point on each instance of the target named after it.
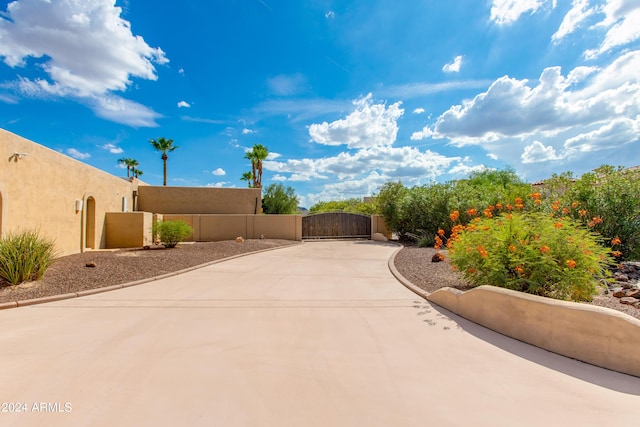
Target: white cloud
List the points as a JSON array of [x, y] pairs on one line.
[[85, 48], [220, 184], [123, 111], [273, 155], [512, 107], [285, 85], [219, 172], [454, 66], [246, 131], [330, 14], [278, 177], [368, 125], [462, 170], [492, 156], [609, 136], [508, 11], [623, 20], [556, 118], [572, 20], [113, 149], [415, 90], [183, 104], [77, 154], [418, 111], [537, 152]]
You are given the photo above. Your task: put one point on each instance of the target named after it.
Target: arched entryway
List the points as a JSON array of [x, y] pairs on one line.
[[90, 223]]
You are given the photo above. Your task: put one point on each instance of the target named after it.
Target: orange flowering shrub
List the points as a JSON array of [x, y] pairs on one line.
[[530, 252]]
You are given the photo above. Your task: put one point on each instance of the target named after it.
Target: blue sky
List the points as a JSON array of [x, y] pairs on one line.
[[347, 95]]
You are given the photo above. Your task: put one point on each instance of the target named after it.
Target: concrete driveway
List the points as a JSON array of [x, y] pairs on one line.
[[319, 334]]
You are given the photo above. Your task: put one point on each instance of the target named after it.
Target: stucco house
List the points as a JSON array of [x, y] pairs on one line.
[[84, 208]]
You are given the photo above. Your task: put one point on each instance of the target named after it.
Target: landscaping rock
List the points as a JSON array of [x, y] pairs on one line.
[[619, 293], [633, 293], [91, 264], [379, 237], [620, 277], [628, 300], [239, 239], [437, 257]]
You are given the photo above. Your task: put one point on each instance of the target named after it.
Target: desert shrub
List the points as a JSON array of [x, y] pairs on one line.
[[425, 209], [171, 232], [279, 199], [389, 199], [530, 252], [25, 256], [607, 200], [352, 205]]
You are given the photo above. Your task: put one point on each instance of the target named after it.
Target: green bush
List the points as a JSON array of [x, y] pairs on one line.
[[25, 256], [279, 199], [607, 199], [171, 232], [530, 252]]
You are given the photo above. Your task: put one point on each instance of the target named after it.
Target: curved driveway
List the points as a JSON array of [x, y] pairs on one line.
[[319, 334]]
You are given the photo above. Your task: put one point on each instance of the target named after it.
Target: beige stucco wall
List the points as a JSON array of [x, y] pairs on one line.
[[128, 229], [379, 226], [199, 200], [40, 190], [210, 228], [595, 335]]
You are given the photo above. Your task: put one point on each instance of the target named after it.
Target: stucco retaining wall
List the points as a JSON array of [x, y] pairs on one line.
[[199, 200], [596, 335], [128, 229], [210, 228]]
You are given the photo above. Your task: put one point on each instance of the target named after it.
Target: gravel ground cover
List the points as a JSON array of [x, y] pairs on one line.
[[415, 264], [70, 273]]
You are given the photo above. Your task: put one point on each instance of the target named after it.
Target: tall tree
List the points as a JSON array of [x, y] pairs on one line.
[[279, 199], [247, 176], [129, 163], [136, 172], [257, 154], [164, 146]]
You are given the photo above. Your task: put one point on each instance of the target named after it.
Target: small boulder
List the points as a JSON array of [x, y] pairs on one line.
[[438, 257], [628, 300], [633, 293], [379, 237], [91, 264], [239, 239], [620, 277], [619, 293]]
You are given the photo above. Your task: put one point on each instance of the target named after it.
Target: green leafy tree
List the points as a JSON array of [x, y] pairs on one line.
[[247, 176], [129, 163], [256, 155], [353, 205], [164, 146], [279, 200]]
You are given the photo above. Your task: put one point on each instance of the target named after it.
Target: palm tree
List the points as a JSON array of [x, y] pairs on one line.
[[136, 172], [257, 154], [164, 146], [129, 163], [247, 176]]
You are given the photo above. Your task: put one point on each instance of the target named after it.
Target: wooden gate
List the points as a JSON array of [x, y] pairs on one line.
[[336, 225]]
